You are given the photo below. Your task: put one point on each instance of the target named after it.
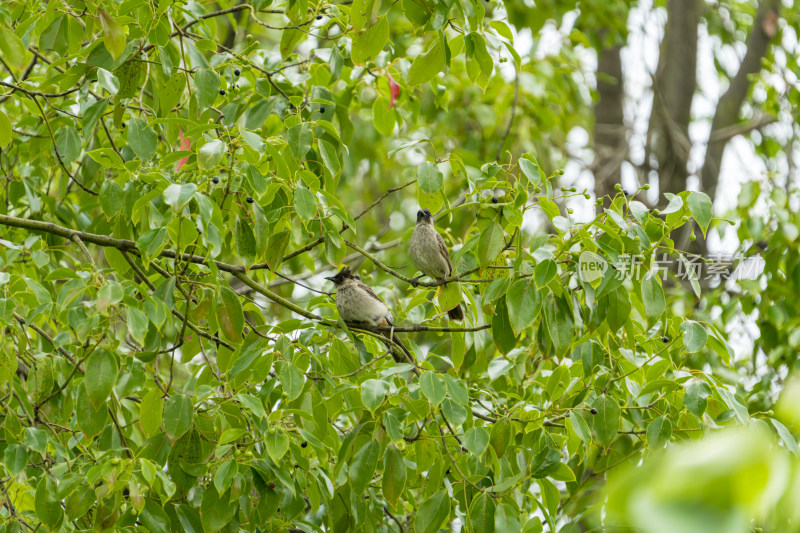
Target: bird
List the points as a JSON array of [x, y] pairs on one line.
[[429, 254], [359, 305]]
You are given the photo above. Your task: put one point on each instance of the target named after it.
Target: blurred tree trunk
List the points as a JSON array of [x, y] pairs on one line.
[[611, 145], [668, 144], [730, 103]]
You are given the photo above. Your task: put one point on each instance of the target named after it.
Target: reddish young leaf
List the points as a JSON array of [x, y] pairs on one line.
[[394, 87], [186, 144]]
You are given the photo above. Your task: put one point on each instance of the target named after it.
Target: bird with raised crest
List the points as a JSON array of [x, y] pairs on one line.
[[429, 254], [358, 305]]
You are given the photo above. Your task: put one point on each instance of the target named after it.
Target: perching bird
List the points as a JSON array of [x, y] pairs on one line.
[[429, 254], [358, 304]]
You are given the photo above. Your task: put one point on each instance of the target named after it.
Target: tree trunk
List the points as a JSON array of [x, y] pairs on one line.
[[611, 145], [730, 103], [674, 85]]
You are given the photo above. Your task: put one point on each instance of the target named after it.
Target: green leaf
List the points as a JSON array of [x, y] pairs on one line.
[[170, 95], [559, 322], [433, 514], [5, 130], [502, 331], [490, 244], [700, 207], [206, 83], [224, 475], [277, 443], [369, 44], [300, 138], [330, 157], [653, 297], [591, 355], [476, 440], [245, 241], [530, 169], [229, 315], [210, 154], [137, 323], [427, 65], [481, 513], [292, 380], [100, 376], [305, 203], [696, 397], [363, 466], [580, 427], [659, 431], [91, 419], [544, 272], [480, 54], [130, 76], [68, 143], [429, 177], [113, 34], [151, 243], [506, 519], [394, 474], [151, 411], [373, 392], [178, 196], [111, 197], [361, 13], [47, 502], [12, 48], [383, 117], [178, 414], [107, 81], [216, 511], [605, 423], [15, 458], [788, 439], [433, 387], [454, 412], [694, 336], [416, 12], [142, 138]]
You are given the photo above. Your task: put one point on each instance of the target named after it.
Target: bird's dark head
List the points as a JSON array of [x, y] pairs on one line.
[[424, 215], [341, 276]]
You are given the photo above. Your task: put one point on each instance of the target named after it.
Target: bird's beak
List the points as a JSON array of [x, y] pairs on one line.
[[329, 279]]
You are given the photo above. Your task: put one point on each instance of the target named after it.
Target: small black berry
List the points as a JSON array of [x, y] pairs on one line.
[[495, 199], [215, 180], [594, 411], [665, 339], [272, 484], [250, 200], [237, 72], [448, 471], [222, 92], [319, 17], [322, 109], [304, 444], [626, 192], [123, 124]]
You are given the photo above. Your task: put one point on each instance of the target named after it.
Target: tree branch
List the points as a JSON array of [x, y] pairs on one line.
[[727, 112]]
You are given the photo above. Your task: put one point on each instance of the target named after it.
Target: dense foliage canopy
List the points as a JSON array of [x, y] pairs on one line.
[[180, 177]]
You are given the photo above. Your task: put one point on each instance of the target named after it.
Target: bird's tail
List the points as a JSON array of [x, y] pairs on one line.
[[456, 313], [399, 352]]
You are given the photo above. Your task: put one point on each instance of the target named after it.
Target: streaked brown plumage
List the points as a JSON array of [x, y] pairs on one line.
[[429, 254], [358, 304]]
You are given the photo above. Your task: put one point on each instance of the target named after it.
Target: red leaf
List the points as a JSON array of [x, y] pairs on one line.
[[186, 144], [394, 87]]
